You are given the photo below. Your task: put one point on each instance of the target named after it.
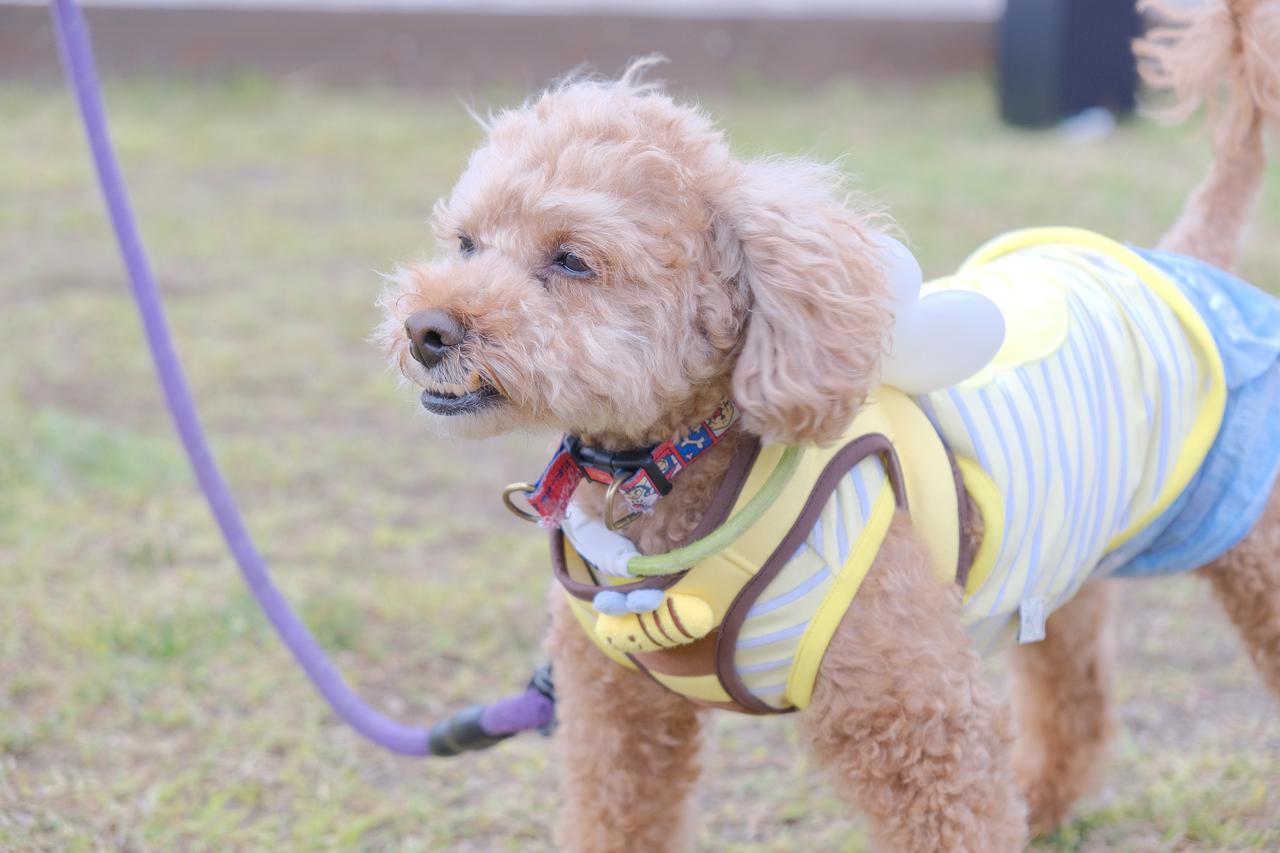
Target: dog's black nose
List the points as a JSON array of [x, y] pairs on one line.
[[431, 334]]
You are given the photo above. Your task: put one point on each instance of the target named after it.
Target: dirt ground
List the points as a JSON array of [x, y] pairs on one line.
[[144, 705]]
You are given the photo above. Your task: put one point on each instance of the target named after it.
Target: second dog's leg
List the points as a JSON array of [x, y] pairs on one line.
[[1247, 582], [902, 713], [1062, 700], [628, 750]]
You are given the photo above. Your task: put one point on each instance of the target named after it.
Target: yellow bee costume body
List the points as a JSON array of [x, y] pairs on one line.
[[1099, 408]]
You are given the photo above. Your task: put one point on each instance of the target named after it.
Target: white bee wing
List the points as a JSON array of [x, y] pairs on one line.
[[940, 340]]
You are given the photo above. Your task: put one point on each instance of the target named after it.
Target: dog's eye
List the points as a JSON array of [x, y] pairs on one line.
[[466, 245], [572, 264]]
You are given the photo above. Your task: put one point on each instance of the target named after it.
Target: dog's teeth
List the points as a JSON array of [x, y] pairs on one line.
[[473, 382], [449, 389]]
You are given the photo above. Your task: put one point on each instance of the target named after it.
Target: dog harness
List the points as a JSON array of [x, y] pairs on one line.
[[1089, 423]]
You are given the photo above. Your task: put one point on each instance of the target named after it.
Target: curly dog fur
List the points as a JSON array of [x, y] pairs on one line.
[[707, 278]]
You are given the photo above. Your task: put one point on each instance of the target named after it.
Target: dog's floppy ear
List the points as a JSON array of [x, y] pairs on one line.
[[817, 315]]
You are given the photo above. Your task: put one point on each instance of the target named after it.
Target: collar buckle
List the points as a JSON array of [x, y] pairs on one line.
[[619, 464]]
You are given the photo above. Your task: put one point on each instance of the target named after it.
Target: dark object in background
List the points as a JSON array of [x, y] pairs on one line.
[[1060, 57]]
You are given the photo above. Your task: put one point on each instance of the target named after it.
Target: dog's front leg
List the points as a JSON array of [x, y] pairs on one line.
[[901, 712], [628, 749]]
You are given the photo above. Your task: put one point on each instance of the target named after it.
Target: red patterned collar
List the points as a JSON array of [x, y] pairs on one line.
[[642, 475]]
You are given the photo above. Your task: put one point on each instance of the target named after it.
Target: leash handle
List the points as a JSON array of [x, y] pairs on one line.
[[77, 59]]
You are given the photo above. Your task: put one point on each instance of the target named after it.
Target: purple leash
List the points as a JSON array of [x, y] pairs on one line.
[[474, 728]]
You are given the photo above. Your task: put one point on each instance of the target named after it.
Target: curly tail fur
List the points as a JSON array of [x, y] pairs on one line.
[[1224, 54]]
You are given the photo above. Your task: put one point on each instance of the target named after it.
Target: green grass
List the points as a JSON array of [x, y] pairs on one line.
[[144, 703]]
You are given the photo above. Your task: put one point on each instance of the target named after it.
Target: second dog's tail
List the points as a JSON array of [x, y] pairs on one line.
[[1226, 55]]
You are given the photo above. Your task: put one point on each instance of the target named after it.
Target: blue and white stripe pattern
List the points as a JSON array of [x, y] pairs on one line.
[[1080, 425], [774, 626], [1081, 440]]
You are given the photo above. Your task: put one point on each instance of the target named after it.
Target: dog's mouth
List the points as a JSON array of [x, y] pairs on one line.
[[443, 398]]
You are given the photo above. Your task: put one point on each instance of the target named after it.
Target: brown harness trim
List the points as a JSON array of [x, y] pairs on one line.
[[735, 479], [840, 464], [965, 550]]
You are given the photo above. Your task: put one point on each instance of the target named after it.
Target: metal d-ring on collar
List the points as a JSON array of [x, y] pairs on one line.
[[508, 495], [611, 521]]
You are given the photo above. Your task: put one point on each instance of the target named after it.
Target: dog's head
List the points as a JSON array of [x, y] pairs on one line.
[[611, 270]]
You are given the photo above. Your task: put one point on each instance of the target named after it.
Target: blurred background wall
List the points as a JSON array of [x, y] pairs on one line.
[[456, 45]]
